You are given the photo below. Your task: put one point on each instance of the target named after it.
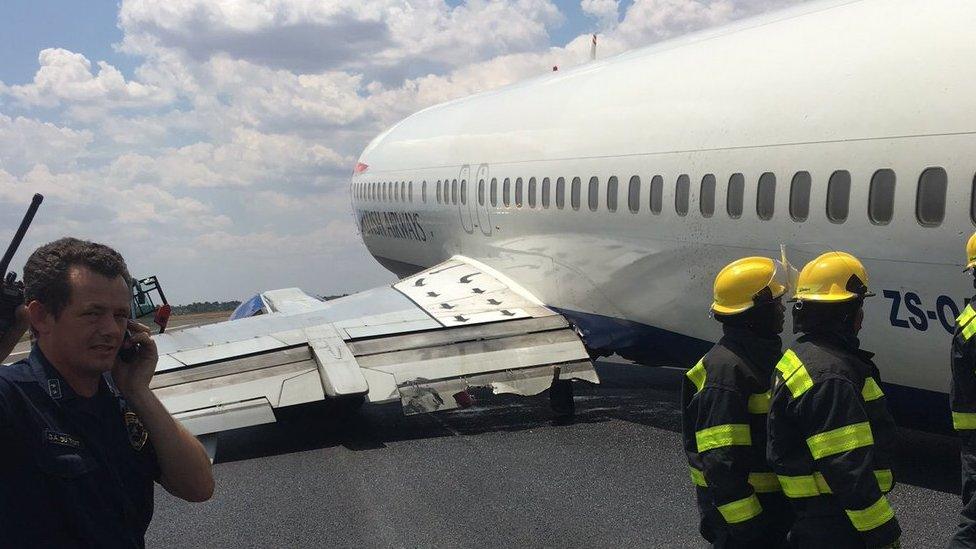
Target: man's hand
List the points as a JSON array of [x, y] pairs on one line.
[[9, 339], [133, 377]]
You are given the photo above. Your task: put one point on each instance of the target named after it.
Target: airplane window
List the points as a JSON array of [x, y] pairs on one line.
[[735, 196], [681, 191], [384, 190], [423, 192], [518, 192], [494, 192], [410, 192], [657, 194], [438, 191], [931, 197], [881, 199], [398, 191], [561, 192], [545, 192], [838, 196], [612, 194], [766, 196], [532, 192], [706, 200], [633, 194], [575, 193], [481, 192], [454, 193], [593, 194], [507, 192], [464, 191], [800, 196]]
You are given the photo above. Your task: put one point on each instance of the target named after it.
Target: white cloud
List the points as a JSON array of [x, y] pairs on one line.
[[250, 158], [66, 77], [25, 142], [648, 21], [604, 11], [313, 36]]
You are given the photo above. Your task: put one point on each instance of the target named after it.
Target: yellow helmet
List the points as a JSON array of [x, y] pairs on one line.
[[971, 253], [833, 277], [746, 282]]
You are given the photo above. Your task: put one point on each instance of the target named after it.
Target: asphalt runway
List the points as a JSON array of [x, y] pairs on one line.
[[500, 474]]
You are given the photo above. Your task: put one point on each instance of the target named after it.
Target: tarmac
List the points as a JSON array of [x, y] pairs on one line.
[[500, 474]]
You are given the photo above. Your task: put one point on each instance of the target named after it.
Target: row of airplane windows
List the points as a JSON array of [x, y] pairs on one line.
[[930, 198]]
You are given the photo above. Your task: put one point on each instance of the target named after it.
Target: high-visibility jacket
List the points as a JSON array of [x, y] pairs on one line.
[[962, 392], [725, 398], [831, 436]]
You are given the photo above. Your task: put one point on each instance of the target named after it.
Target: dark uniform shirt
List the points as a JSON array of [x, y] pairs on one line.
[[76, 472], [725, 398], [831, 439]]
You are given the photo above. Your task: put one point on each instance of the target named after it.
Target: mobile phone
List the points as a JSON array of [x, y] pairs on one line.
[[129, 350]]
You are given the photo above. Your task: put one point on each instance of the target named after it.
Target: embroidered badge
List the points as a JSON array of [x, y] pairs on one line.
[[54, 388], [137, 432], [62, 439]]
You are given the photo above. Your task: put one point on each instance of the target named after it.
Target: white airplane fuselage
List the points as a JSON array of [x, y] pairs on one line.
[[828, 87]]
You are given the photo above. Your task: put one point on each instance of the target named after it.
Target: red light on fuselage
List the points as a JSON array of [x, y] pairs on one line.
[[360, 167]]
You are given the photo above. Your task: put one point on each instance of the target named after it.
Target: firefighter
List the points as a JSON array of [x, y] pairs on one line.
[[962, 401], [725, 398], [830, 434]]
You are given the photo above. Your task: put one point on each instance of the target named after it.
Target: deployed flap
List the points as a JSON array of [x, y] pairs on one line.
[[340, 371], [460, 293]]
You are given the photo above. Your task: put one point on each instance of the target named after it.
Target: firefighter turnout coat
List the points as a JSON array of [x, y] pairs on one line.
[[831, 436], [962, 402], [725, 398]]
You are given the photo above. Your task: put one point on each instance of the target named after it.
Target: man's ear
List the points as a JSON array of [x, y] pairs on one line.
[[40, 318]]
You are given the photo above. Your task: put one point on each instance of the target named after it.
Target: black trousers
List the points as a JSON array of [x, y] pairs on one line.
[[965, 536], [825, 532], [713, 529]]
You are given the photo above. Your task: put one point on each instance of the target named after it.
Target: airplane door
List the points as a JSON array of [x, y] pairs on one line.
[[466, 199], [483, 206]]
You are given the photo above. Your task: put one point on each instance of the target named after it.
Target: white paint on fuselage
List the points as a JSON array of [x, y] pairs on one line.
[[855, 86]]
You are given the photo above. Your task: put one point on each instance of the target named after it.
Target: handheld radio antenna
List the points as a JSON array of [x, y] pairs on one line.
[[21, 231]]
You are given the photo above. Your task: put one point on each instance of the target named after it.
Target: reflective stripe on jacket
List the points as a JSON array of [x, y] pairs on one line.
[[725, 399], [831, 436], [962, 391]]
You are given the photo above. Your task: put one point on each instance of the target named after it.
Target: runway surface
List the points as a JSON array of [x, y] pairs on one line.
[[500, 474]]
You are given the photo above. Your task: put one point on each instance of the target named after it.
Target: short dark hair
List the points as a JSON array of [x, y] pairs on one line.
[[47, 269]]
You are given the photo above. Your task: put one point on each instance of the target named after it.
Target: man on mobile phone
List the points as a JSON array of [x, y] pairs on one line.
[[83, 438]]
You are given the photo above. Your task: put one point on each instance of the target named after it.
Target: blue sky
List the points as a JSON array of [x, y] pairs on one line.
[[28, 27]]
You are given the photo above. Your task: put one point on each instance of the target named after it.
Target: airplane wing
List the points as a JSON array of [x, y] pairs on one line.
[[423, 341]]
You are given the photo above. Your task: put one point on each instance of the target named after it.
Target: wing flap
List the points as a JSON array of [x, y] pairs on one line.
[[428, 337]]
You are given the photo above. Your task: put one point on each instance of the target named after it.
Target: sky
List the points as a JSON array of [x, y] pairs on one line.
[[212, 141]]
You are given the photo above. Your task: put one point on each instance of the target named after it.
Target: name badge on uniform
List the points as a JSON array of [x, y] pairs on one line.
[[61, 439], [137, 432]]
